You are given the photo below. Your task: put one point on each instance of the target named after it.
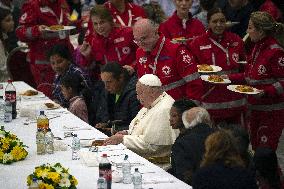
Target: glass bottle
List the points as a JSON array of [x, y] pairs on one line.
[[126, 170], [75, 147], [137, 179], [42, 121], [10, 95], [105, 170], [49, 141], [40, 142]]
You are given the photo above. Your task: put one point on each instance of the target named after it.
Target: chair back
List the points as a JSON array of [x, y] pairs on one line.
[[18, 67]]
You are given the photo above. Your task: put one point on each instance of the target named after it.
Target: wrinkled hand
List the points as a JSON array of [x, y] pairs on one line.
[[85, 49], [129, 69], [124, 132], [101, 125], [42, 28], [114, 140]]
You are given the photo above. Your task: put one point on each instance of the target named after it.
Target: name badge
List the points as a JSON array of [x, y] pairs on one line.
[[205, 47], [118, 40]]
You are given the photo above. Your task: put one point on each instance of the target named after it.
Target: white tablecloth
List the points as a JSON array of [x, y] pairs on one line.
[[14, 176]]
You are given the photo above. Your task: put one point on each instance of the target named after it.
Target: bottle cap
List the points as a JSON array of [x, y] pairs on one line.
[[41, 112], [104, 155], [136, 169], [125, 157], [74, 135], [10, 81]]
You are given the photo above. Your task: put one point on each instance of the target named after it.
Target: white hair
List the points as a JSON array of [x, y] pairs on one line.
[[202, 116]]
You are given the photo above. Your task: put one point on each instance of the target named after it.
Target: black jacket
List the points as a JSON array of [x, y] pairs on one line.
[[188, 150], [125, 109]]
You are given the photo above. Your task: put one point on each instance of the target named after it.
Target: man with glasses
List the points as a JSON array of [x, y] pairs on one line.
[[172, 63]]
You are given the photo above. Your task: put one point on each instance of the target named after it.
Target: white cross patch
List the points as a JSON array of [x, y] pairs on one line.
[[166, 70], [261, 70], [281, 61], [142, 60], [182, 51], [187, 59]]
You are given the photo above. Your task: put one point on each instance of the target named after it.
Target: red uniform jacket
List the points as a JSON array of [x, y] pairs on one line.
[[265, 71], [224, 52], [118, 46], [42, 12], [130, 15], [175, 67], [272, 9], [174, 28]]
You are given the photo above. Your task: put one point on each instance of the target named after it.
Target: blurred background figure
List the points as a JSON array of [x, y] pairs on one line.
[[181, 24], [154, 12], [222, 167], [118, 103], [205, 6], [267, 170], [225, 49], [6, 26]]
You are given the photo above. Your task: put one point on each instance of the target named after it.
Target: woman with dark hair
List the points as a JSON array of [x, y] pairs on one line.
[[78, 95], [222, 167], [264, 71], [6, 25], [107, 43], [188, 149], [118, 103], [225, 49], [154, 12], [267, 170], [62, 63]]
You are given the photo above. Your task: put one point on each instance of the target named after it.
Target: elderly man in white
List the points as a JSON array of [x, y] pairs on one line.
[[150, 134]]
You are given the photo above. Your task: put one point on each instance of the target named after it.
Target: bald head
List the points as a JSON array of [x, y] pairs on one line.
[[145, 33], [194, 116]]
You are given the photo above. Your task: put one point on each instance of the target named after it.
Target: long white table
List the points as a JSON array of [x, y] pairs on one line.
[[14, 176]]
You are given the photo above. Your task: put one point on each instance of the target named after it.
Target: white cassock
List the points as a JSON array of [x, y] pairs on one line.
[[150, 133]]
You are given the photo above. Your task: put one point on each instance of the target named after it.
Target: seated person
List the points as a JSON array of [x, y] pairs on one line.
[[150, 134], [188, 149], [118, 103], [222, 166], [79, 96], [61, 62]]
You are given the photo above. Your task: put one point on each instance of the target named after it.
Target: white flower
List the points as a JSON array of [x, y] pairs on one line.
[[65, 175], [7, 157], [65, 182], [58, 169]]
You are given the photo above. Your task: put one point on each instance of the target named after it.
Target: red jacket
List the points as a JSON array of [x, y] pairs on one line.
[[175, 67], [208, 49], [173, 27], [130, 15], [269, 7], [265, 71], [118, 46], [42, 12]]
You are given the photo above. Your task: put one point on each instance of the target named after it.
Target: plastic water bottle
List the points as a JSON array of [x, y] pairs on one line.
[[34, 184], [137, 179], [105, 170], [10, 95], [75, 147], [2, 108], [40, 142], [126, 171], [101, 183], [8, 111], [49, 140]]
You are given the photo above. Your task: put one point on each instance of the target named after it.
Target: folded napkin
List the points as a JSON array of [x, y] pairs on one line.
[[111, 148], [90, 158], [158, 181], [75, 128]]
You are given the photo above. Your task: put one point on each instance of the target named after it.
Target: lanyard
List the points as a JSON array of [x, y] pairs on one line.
[[157, 56], [226, 51], [47, 9], [129, 19]]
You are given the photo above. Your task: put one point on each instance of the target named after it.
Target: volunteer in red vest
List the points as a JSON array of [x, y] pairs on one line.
[[265, 71], [124, 13], [37, 15], [108, 43], [221, 48], [172, 63], [181, 25]]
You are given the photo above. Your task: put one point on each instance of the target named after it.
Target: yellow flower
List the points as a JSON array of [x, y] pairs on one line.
[[74, 181], [5, 145], [45, 186], [1, 154], [29, 180], [41, 172], [17, 153], [55, 177]]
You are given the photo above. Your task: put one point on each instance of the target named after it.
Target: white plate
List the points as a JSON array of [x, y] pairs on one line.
[[205, 78], [242, 62], [233, 88], [39, 95], [215, 69], [55, 106], [64, 29]]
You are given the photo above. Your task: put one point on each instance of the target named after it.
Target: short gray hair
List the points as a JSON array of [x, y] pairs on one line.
[[202, 116]]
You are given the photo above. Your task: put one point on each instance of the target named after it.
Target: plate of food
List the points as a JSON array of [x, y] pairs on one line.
[[51, 105], [56, 28], [30, 94], [205, 68], [244, 89], [215, 79]]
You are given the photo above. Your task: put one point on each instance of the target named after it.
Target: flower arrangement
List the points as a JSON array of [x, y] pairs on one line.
[[11, 148], [53, 177]]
